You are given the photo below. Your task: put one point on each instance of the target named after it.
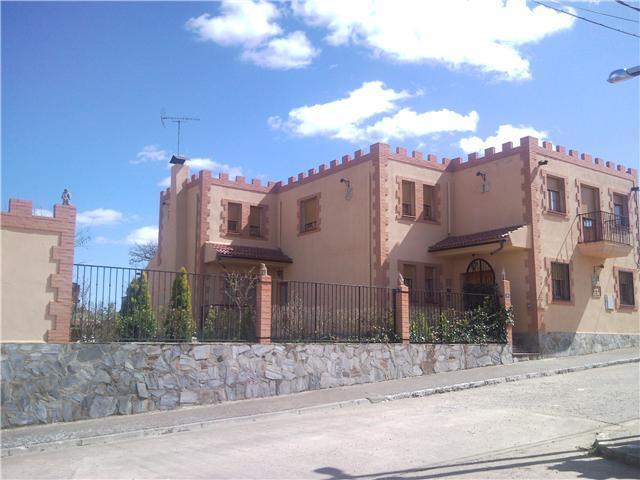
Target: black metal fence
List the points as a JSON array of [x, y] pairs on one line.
[[130, 304], [599, 226], [320, 312], [453, 317]]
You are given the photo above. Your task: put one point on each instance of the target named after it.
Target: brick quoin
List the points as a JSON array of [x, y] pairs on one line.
[[63, 223], [263, 307]]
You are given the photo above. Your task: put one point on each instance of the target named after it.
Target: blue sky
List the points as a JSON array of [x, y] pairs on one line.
[[281, 88]]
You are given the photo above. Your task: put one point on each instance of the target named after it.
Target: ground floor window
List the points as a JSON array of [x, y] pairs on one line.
[[560, 281], [625, 281]]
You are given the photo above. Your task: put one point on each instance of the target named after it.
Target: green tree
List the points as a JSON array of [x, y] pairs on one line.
[[179, 324], [136, 320]]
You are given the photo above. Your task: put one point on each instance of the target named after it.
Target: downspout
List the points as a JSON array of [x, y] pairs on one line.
[[449, 208], [502, 242]]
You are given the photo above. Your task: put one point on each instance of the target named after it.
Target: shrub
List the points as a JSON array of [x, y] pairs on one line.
[[136, 320], [179, 323]]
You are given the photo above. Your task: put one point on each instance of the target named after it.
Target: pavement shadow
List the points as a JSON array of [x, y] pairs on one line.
[[581, 463]]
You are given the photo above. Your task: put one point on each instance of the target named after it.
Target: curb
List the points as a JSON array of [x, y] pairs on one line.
[[187, 427]]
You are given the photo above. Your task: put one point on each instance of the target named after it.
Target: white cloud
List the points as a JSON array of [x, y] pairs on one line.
[[143, 235], [292, 51], [42, 212], [484, 34], [346, 118], [251, 24], [243, 22], [341, 118], [408, 124], [150, 153], [505, 133], [165, 182], [99, 216]]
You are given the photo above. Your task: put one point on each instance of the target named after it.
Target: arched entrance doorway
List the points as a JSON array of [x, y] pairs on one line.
[[479, 272]]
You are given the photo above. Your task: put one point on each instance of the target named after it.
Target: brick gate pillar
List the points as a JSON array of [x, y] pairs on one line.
[[263, 306], [402, 311], [504, 287]]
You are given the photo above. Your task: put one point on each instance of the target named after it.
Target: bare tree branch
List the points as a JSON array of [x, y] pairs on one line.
[[142, 253]]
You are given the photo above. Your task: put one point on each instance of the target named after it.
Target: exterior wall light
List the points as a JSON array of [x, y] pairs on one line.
[[542, 162], [349, 193]]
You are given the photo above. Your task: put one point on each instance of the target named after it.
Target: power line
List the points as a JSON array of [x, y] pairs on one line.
[[587, 20], [600, 13], [627, 5]]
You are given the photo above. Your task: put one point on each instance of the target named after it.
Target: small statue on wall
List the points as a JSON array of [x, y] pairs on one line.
[[66, 197], [400, 280], [263, 270]]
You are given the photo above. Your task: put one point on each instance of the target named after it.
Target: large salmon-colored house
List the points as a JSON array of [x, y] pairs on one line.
[[562, 227]]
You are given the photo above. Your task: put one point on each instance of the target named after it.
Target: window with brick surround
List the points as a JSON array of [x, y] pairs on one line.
[[255, 221], [430, 279], [409, 274], [408, 199], [555, 192], [309, 214], [625, 285], [560, 287], [428, 194], [234, 217]]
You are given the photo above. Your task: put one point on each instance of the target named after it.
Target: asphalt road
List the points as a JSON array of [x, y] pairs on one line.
[[540, 428]]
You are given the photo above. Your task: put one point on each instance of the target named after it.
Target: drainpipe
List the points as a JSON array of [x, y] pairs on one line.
[[449, 208], [502, 242]]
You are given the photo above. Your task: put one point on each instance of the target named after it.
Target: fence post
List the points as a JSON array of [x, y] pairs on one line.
[[402, 311], [263, 306], [504, 287]]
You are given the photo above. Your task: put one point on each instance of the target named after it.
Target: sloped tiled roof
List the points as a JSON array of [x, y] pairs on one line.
[[251, 253], [472, 239]]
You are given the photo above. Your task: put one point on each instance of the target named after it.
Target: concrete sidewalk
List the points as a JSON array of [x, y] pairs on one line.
[[621, 443], [111, 429]]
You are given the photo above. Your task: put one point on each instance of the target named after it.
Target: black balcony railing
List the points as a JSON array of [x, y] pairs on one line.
[[604, 226]]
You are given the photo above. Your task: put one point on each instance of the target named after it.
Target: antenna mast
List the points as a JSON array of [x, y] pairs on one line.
[[177, 120]]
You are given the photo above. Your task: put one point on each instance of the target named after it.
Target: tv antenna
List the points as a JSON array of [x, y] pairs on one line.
[[178, 120]]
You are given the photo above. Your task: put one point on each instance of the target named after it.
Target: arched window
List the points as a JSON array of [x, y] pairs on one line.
[[479, 272]]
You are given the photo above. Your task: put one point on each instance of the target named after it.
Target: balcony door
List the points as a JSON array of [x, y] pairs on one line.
[[590, 210]]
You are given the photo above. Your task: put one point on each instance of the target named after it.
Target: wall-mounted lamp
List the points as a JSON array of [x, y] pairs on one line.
[[635, 189], [542, 162], [482, 175], [349, 192], [597, 269]]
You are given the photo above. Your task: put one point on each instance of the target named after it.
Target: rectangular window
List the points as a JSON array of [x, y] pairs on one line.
[[234, 213], [309, 214], [555, 189], [560, 281], [427, 199], [408, 199], [625, 282], [620, 210], [409, 274], [255, 221], [429, 279]]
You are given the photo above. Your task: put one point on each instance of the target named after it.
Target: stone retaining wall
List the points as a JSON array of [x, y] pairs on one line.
[[44, 383], [560, 344]]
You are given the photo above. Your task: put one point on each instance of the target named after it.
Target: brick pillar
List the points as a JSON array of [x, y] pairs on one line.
[[263, 307], [504, 287], [402, 313]]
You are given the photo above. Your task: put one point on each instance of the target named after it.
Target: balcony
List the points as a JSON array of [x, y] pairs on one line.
[[604, 235]]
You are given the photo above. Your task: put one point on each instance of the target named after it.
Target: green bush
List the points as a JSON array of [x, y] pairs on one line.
[[179, 322], [136, 320]]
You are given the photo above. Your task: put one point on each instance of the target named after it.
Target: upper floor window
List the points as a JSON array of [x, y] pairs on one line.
[[620, 209], [555, 189], [428, 212], [309, 214], [255, 221], [408, 199], [234, 217], [625, 280], [560, 281]]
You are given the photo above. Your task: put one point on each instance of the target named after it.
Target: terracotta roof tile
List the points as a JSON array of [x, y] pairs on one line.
[[251, 253], [472, 239]]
